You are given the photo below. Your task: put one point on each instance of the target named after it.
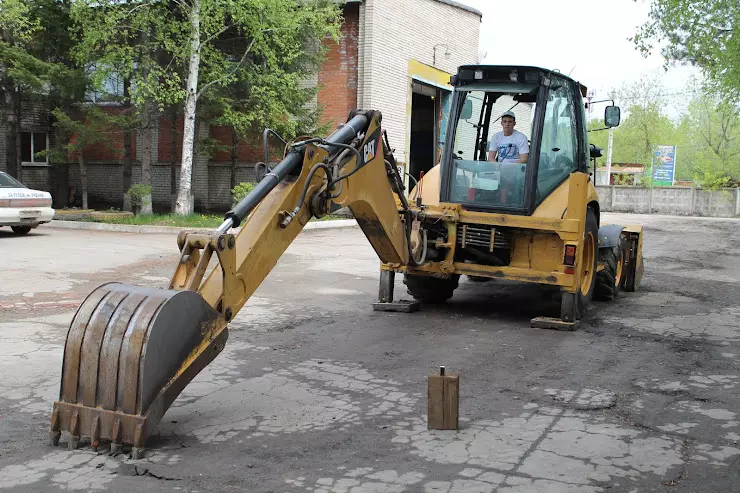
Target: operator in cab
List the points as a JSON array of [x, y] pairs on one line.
[[509, 145]]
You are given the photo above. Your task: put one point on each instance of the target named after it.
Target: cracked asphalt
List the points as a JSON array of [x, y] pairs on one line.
[[316, 392]]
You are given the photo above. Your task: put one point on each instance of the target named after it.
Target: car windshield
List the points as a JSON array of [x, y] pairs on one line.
[[7, 181], [491, 146]]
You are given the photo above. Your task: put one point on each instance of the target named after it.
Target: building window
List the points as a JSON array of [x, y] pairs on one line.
[[31, 144]]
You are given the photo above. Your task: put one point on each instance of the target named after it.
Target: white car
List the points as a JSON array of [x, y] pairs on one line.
[[22, 208]]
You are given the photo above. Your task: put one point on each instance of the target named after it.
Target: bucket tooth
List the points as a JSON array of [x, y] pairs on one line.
[[129, 353], [54, 433], [95, 433], [74, 430]]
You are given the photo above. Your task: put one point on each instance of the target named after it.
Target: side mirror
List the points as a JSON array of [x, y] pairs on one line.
[[612, 115], [467, 110]]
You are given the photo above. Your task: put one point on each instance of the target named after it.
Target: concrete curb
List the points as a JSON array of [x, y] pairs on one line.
[[129, 228]]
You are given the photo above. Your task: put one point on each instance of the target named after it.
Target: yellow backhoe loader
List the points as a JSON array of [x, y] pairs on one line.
[[131, 350]]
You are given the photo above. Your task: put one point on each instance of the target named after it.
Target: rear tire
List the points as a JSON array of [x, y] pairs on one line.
[[586, 292], [21, 230], [609, 281], [427, 289]]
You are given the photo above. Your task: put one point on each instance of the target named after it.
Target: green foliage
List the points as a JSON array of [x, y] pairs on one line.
[[712, 129], [178, 220], [139, 194], [17, 23], [256, 81], [128, 40], [707, 134], [712, 181], [242, 190], [704, 33], [89, 126], [208, 146], [174, 220], [19, 68], [35, 45], [622, 179]]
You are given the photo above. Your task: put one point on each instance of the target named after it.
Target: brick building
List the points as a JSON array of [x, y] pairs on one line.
[[395, 56]]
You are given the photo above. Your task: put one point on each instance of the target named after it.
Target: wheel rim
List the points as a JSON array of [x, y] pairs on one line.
[[587, 264], [618, 273]]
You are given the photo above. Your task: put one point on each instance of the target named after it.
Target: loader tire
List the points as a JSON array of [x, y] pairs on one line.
[[610, 281], [427, 289], [590, 241]]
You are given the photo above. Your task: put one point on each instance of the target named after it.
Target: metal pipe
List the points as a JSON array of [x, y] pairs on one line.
[[265, 143], [289, 164]]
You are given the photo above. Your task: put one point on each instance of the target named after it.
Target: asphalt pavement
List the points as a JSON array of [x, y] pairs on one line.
[[316, 392]]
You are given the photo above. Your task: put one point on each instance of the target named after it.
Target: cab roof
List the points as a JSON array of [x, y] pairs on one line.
[[518, 73]]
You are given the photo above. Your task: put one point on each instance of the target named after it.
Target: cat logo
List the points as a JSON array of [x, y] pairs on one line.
[[368, 151]]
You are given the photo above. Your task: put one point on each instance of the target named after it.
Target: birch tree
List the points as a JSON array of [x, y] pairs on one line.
[[180, 51], [236, 42]]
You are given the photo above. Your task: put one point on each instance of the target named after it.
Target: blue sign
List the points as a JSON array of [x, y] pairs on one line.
[[664, 165]]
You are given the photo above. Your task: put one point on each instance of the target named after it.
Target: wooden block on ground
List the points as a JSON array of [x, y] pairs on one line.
[[552, 323], [397, 306], [443, 401]]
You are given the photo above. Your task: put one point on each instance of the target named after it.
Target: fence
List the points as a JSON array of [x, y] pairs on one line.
[[682, 201]]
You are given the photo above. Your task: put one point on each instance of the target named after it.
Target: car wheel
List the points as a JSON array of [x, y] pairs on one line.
[[20, 230]]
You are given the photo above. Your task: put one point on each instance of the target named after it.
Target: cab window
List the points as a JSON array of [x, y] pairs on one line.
[[559, 150]]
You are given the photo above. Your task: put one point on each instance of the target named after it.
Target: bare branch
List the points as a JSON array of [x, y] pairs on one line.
[[234, 69], [145, 4], [212, 37]]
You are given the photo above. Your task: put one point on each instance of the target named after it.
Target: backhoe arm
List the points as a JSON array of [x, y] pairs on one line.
[[130, 350], [273, 222]]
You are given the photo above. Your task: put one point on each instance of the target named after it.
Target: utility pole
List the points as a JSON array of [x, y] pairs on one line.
[[609, 157]]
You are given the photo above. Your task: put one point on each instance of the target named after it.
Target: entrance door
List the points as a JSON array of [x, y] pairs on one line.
[[424, 119]]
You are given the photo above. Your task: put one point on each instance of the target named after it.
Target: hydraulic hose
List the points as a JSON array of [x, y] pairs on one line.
[[337, 140]]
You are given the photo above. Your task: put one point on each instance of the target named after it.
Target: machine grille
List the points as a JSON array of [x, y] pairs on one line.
[[479, 235]]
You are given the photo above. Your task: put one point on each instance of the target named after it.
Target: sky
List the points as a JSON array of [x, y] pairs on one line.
[[587, 39]]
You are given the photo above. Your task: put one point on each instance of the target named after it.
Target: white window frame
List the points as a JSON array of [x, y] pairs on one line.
[[33, 151]]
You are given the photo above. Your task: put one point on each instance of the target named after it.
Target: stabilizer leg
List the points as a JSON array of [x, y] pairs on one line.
[[568, 315], [385, 296]]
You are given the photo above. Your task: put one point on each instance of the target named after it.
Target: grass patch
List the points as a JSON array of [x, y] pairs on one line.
[[176, 220], [189, 221]]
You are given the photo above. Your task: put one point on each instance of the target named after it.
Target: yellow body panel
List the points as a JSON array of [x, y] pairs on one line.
[[538, 242]]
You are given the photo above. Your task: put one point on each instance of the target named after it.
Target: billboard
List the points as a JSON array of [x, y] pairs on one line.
[[664, 166]]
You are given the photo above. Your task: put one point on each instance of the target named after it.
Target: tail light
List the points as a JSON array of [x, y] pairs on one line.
[[570, 255]]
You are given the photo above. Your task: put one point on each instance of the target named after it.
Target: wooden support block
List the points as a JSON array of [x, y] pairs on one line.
[[443, 401], [552, 323], [397, 306]]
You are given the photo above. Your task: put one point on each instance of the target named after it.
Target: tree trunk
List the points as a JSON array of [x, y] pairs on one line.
[[184, 204], [83, 179], [234, 156], [173, 155], [146, 158], [128, 163]]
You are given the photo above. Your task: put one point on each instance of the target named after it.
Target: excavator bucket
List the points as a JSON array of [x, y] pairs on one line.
[[129, 353]]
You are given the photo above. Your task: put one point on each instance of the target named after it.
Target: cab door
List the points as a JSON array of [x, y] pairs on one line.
[[559, 152]]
